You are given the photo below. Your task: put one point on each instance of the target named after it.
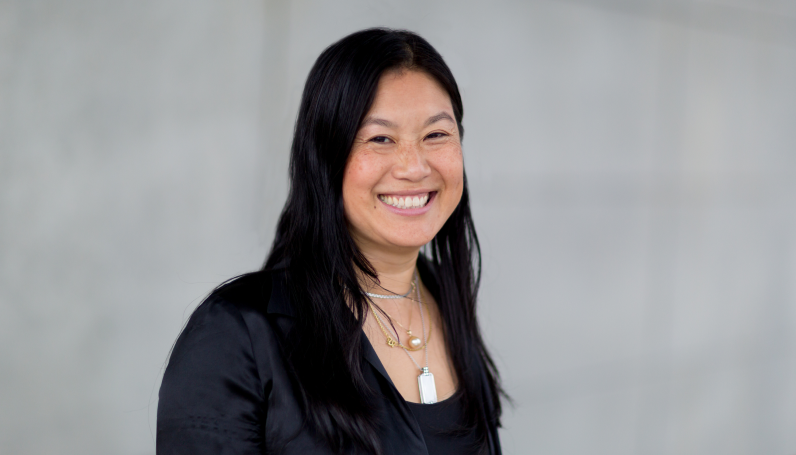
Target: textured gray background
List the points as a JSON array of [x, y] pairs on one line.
[[631, 163]]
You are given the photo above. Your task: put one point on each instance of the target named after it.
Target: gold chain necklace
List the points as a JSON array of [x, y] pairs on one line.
[[413, 340], [415, 343]]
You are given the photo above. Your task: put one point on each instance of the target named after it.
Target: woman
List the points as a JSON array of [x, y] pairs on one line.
[[349, 340]]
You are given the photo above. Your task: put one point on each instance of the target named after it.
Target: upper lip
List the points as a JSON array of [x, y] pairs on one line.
[[407, 192]]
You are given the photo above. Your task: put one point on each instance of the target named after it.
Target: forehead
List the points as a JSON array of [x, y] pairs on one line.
[[409, 91]]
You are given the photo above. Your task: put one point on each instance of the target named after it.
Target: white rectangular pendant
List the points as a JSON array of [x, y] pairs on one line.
[[428, 391]]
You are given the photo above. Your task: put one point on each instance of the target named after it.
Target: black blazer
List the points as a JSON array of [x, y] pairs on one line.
[[226, 389]]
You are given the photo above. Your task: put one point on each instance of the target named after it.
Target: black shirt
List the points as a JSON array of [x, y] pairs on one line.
[[442, 425], [226, 389]]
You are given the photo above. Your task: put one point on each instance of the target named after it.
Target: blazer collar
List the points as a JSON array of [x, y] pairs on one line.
[[373, 358], [279, 302]]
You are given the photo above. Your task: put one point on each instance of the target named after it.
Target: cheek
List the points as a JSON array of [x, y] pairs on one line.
[[358, 183], [451, 167]]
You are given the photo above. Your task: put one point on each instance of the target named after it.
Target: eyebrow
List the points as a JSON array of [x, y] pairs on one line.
[[378, 121], [436, 118], [386, 123]]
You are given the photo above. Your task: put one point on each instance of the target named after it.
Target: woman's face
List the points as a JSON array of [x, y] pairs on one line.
[[404, 176]]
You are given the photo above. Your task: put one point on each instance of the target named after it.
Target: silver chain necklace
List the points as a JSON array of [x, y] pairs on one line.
[[392, 296]]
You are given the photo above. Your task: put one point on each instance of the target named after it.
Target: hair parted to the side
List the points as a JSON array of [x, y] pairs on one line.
[[312, 238]]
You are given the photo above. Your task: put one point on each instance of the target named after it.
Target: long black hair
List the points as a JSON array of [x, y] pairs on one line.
[[313, 241]]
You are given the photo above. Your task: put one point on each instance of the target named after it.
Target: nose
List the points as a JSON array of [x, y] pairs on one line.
[[411, 163]]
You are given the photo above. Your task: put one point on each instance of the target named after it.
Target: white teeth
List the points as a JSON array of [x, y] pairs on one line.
[[408, 202]]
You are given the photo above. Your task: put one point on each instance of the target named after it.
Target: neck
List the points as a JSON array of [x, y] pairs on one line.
[[394, 270]]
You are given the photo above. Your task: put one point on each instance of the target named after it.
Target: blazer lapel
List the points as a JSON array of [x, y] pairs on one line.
[[373, 358]]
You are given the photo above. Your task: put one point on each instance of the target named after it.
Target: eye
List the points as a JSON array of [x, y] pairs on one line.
[[381, 140], [436, 135]]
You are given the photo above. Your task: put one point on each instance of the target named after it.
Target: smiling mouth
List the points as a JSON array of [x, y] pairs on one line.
[[406, 202]]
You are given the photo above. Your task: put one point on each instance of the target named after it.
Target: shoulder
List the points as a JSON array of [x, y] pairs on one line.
[[220, 370], [249, 291], [222, 312], [238, 301], [231, 325], [219, 331]]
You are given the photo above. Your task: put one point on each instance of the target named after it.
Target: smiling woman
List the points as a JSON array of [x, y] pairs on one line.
[[349, 340], [405, 172]]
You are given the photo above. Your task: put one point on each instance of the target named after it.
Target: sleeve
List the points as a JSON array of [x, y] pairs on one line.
[[211, 398]]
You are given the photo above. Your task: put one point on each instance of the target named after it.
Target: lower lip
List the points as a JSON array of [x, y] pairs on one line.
[[415, 211]]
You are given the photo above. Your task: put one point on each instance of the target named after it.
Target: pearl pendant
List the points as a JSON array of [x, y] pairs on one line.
[[415, 342]]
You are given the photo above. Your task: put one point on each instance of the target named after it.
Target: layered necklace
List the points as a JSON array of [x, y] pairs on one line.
[[425, 382], [392, 296]]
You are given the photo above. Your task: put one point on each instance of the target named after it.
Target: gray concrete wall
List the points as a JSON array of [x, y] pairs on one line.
[[632, 164]]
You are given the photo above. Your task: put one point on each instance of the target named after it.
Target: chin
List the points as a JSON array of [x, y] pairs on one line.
[[411, 246], [410, 243], [399, 239]]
